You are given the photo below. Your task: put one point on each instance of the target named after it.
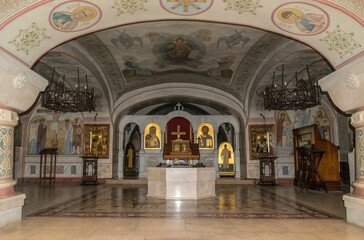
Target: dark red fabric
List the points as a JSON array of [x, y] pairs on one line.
[[185, 126]]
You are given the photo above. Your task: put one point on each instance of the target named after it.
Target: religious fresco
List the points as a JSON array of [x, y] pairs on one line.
[[74, 16], [242, 6], [186, 8], [284, 134], [97, 140], [152, 136], [129, 6], [174, 48], [6, 151], [301, 18], [205, 136], [64, 133], [127, 41], [321, 119], [261, 141], [226, 160], [341, 42], [29, 38]]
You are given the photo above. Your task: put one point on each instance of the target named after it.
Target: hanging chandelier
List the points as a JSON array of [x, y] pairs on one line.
[[303, 94], [61, 98]]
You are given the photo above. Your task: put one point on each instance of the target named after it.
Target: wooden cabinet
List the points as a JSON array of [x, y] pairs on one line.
[[328, 170], [89, 175], [267, 171]]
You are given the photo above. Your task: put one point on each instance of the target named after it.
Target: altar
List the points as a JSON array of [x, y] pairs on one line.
[[181, 183]]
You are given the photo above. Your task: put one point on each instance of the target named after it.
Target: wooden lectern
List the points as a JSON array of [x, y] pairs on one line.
[[52, 152], [328, 166]]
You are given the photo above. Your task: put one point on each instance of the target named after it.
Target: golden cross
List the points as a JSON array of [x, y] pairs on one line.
[[178, 133]]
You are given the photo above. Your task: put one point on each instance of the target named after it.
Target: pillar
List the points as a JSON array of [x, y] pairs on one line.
[[11, 203], [346, 87], [354, 203], [237, 157]]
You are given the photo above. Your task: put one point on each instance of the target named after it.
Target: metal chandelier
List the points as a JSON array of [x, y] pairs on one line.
[[59, 97], [304, 94]]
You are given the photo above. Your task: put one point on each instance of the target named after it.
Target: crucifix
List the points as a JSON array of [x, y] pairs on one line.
[[178, 133]]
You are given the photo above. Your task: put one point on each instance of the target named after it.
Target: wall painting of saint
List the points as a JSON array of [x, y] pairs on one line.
[[205, 136], [152, 136]]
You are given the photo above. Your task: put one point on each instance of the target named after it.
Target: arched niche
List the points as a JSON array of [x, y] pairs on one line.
[[226, 133], [132, 135], [226, 160]]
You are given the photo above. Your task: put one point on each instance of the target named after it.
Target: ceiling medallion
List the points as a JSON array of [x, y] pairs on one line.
[[186, 7]]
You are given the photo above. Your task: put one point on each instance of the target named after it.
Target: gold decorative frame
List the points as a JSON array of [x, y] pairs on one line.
[[256, 133], [97, 138]]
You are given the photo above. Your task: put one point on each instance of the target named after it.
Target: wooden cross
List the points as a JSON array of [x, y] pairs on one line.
[[178, 133]]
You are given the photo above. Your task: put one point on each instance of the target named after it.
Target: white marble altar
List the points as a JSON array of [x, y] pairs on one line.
[[181, 183]]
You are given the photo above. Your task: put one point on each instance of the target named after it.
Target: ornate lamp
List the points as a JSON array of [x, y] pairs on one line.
[[59, 97], [304, 95]]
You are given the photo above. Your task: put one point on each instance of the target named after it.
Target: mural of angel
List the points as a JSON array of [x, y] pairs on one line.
[[126, 40], [233, 39]]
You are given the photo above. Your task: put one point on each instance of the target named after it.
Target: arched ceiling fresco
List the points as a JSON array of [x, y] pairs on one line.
[[230, 45]]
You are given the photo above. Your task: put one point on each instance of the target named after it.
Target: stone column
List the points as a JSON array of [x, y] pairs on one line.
[[346, 87], [357, 120], [237, 157], [121, 155], [11, 203]]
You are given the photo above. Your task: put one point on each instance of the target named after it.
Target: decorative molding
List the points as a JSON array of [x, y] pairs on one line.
[[8, 118], [242, 6], [343, 43], [6, 151], [359, 133], [19, 81], [129, 6], [351, 81], [29, 38]]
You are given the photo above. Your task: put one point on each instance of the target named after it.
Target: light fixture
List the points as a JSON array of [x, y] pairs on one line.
[[304, 94], [59, 97]]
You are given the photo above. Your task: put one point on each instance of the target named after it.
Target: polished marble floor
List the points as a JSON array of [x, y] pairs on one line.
[[64, 211]]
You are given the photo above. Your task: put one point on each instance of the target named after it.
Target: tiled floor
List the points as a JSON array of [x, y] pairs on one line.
[[124, 212]]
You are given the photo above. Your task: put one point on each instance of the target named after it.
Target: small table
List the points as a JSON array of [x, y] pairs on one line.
[[308, 163], [89, 175], [267, 172], [52, 168]]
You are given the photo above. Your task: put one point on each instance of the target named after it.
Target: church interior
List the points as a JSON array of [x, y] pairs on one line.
[[141, 119]]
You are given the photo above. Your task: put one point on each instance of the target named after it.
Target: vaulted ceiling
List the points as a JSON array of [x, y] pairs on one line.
[[233, 46]]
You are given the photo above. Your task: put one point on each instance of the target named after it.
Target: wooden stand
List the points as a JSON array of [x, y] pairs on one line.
[[52, 165], [328, 169], [89, 170], [267, 171], [308, 164]]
